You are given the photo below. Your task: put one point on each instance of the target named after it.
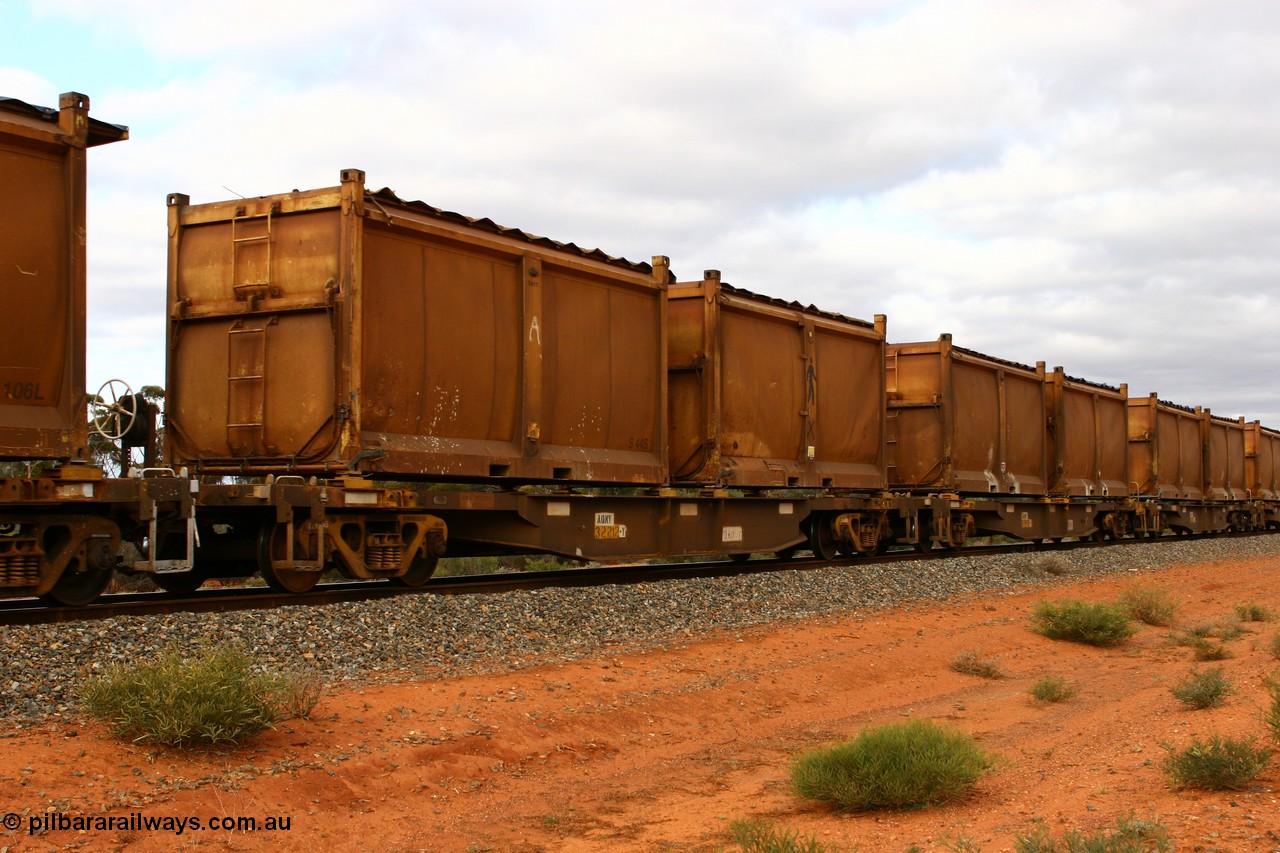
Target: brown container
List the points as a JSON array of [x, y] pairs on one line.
[[964, 422], [1262, 461], [1224, 459], [339, 329], [765, 393], [1088, 437], [42, 275], [1166, 449]]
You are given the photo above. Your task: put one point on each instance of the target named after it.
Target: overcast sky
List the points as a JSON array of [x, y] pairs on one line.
[[1092, 184]]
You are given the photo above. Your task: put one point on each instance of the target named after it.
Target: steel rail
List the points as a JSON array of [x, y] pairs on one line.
[[34, 611]]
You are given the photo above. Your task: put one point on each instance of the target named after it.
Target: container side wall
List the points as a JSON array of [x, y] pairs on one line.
[[1023, 432], [603, 359], [763, 390], [441, 338], [850, 426], [977, 451], [1143, 447], [486, 357], [1113, 445], [691, 387], [42, 278], [919, 432]]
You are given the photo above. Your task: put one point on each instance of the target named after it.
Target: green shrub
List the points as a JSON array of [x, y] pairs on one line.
[[1131, 835], [1205, 689], [971, 663], [219, 696], [1052, 688], [1203, 650], [915, 763], [1095, 623], [1271, 716], [1274, 647], [1217, 764], [755, 836], [1254, 612], [1152, 605]]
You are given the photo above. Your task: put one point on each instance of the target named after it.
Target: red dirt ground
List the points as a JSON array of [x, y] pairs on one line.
[[662, 750]]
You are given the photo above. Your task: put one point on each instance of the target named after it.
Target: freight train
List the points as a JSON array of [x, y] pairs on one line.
[[364, 383]]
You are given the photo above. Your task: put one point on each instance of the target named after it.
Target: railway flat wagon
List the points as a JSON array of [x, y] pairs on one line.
[[771, 394], [42, 275], [341, 330]]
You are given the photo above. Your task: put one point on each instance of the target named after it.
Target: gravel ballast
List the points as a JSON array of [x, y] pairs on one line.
[[423, 636]]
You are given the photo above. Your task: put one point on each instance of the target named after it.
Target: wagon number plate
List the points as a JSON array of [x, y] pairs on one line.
[[608, 528]]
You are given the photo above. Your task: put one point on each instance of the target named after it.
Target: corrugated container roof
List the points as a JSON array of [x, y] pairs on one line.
[[387, 197], [100, 132], [795, 306]]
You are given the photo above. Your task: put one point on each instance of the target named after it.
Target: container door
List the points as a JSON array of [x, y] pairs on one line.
[[254, 332]]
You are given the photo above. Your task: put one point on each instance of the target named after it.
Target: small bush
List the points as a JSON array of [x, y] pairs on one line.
[[1274, 647], [1152, 605], [1203, 650], [217, 697], [971, 663], [1131, 835], [1227, 629], [1205, 689], [1095, 623], [1254, 612], [1050, 564], [1217, 764], [296, 694], [755, 836], [1052, 688], [1271, 716], [902, 765]]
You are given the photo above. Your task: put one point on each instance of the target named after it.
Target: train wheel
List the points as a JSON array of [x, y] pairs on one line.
[[420, 571], [178, 583], [271, 543], [824, 545], [74, 589]]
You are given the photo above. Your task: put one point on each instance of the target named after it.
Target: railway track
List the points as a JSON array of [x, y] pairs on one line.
[[34, 611]]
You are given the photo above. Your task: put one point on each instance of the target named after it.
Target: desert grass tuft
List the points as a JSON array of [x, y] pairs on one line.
[[1201, 690], [1150, 604], [1254, 612], [762, 836], [971, 663], [219, 695], [900, 765], [1091, 622], [1217, 763], [1131, 835], [1052, 688]]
